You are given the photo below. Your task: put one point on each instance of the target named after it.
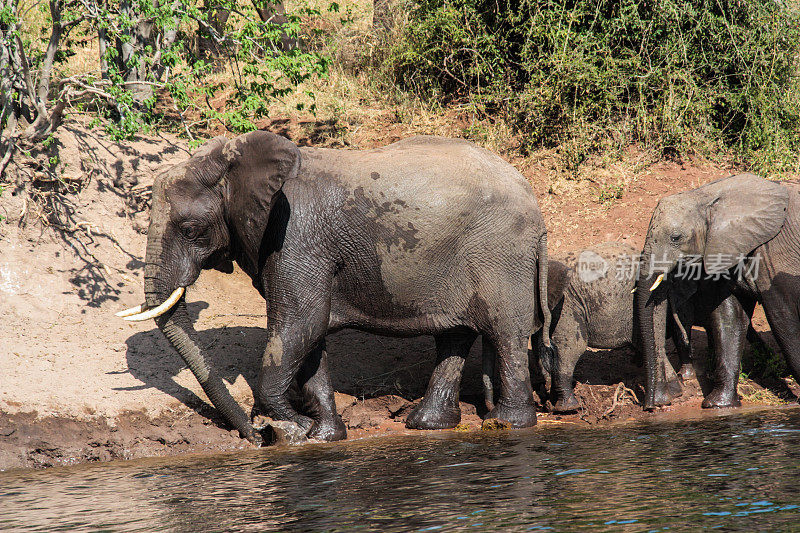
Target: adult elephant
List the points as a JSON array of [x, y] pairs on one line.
[[425, 236], [730, 243]]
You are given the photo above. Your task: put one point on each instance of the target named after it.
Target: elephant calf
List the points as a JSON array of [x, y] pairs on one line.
[[592, 307], [592, 303]]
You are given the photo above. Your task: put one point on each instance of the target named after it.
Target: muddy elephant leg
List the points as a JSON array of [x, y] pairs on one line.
[[315, 382], [536, 368], [439, 408], [680, 329], [728, 331], [569, 343], [515, 404], [292, 338], [489, 377], [785, 324], [684, 349]]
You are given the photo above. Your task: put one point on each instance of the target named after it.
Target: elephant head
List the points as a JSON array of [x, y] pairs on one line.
[[713, 226], [201, 216]]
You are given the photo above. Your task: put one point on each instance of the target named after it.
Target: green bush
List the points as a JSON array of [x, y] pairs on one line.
[[678, 75]]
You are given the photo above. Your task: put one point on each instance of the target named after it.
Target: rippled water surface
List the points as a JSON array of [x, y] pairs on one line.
[[735, 473]]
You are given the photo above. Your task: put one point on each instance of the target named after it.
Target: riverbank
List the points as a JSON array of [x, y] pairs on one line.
[[78, 384]]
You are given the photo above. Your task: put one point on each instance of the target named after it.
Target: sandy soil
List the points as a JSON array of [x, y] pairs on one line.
[[78, 384]]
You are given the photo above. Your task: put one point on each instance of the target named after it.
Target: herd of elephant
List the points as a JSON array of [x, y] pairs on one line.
[[437, 236]]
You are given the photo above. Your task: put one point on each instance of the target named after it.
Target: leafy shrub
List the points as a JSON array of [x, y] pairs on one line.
[[147, 54], [677, 75]]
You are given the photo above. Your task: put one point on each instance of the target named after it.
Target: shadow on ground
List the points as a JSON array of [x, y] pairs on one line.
[[362, 365]]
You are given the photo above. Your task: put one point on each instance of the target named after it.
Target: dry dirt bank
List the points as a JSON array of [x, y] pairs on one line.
[[77, 384]]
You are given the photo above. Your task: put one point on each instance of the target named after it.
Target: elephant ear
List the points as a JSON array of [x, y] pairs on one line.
[[258, 164], [261, 161], [745, 211], [558, 277]]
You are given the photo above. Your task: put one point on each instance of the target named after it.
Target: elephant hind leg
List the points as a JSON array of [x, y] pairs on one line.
[[515, 404], [439, 409], [315, 382]]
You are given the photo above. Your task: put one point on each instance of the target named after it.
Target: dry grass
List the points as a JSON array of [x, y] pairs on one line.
[[751, 392]]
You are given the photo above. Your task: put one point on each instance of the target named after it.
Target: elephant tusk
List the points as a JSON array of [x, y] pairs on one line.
[[161, 309], [132, 311], [633, 290], [659, 279]]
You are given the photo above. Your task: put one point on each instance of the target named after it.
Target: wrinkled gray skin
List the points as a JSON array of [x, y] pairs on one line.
[[742, 214], [592, 307], [425, 236]]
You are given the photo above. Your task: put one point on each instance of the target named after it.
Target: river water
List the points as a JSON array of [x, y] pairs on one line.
[[739, 472]]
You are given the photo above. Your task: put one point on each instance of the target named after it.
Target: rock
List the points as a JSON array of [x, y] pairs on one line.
[[467, 409], [363, 415], [343, 401], [390, 403]]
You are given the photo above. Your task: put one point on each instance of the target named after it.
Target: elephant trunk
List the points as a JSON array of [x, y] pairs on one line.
[[178, 329], [644, 310], [651, 311]]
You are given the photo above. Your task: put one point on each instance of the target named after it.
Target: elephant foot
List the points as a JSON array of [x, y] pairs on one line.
[[287, 432], [661, 396], [519, 416], [566, 404], [433, 415], [328, 430], [304, 422], [717, 399], [686, 371]]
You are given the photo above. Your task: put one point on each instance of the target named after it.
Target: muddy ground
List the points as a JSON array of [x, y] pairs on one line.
[[78, 384]]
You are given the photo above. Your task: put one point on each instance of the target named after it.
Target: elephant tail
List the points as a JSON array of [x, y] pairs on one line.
[[547, 355], [543, 266]]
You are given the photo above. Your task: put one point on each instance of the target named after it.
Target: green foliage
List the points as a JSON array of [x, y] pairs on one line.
[[151, 62], [760, 361], [673, 74], [609, 193]]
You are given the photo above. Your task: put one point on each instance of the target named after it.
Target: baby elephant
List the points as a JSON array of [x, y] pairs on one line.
[[591, 299], [592, 306], [591, 302]]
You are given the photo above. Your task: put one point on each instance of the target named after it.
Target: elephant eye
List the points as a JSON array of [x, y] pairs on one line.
[[190, 231], [676, 238]]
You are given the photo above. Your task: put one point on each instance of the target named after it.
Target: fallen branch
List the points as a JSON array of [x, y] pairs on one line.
[[619, 397]]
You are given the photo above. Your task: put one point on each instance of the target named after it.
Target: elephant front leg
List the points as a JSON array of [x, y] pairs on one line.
[[684, 349], [439, 409], [318, 401], [568, 344], [563, 392], [728, 330], [295, 343]]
